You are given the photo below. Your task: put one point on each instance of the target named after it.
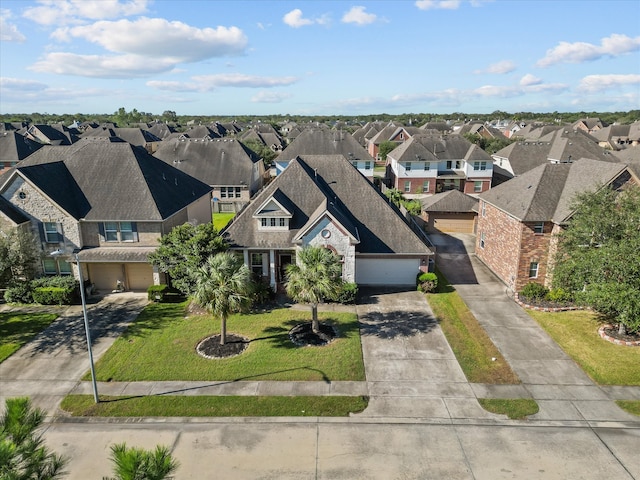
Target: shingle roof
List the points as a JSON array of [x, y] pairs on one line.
[[309, 181], [546, 192], [15, 147], [11, 212], [97, 180], [451, 201], [214, 162], [313, 141]]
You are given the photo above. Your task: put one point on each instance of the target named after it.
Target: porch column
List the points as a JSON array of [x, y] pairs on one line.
[[272, 269], [246, 258]]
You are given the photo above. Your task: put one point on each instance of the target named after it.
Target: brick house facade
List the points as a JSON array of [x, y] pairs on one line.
[[519, 220]]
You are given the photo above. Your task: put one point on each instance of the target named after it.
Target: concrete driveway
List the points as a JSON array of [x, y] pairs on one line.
[[51, 365]]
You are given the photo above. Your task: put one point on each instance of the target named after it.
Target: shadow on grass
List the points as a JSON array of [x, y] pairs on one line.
[[278, 336]]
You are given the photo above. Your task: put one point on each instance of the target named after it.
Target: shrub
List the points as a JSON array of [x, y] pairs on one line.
[[534, 291], [62, 281], [53, 295], [347, 294], [559, 295], [158, 293], [262, 293], [427, 282], [19, 292]]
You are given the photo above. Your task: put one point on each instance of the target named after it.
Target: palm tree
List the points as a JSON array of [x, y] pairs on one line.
[[223, 287], [130, 463], [23, 454], [316, 275]]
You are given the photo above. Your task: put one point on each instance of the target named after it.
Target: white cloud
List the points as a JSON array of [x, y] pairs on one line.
[[596, 83], [438, 4], [295, 19], [101, 66], [8, 31], [207, 83], [178, 40], [579, 52], [65, 12], [358, 16], [504, 66], [529, 79], [270, 97], [20, 85]]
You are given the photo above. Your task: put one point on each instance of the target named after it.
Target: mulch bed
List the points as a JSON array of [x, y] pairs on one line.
[[234, 345], [302, 335], [612, 332]]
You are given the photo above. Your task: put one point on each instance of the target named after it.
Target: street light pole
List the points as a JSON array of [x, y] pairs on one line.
[[86, 323]]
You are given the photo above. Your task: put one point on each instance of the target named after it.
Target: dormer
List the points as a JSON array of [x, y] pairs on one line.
[[274, 214]]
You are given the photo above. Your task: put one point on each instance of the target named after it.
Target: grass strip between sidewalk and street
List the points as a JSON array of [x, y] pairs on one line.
[[576, 332], [514, 408], [16, 329], [213, 406], [471, 345], [630, 406]]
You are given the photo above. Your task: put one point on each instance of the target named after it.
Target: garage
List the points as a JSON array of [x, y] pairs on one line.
[[452, 222], [139, 276], [387, 271], [105, 276]]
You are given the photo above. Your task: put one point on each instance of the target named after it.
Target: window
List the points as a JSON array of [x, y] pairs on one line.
[[407, 187], [484, 209], [256, 263], [119, 231], [238, 191], [407, 166], [223, 192], [49, 265], [52, 266], [272, 222], [425, 186], [477, 187], [458, 164], [367, 165], [51, 232], [533, 270], [479, 166], [482, 240], [111, 231], [282, 222], [126, 232], [538, 228], [449, 164], [275, 223], [427, 166], [263, 222]]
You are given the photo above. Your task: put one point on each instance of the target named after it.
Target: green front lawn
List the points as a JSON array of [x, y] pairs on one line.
[[208, 406], [220, 220], [471, 345], [577, 334], [161, 345], [16, 329]]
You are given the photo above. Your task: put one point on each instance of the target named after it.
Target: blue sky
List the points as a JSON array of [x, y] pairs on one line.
[[319, 57]]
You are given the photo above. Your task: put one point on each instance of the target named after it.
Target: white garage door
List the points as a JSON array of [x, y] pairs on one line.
[[382, 271]]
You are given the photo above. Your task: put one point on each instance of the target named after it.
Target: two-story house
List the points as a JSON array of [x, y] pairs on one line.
[[437, 163], [323, 200], [322, 141], [13, 148], [233, 171], [519, 219], [106, 202]]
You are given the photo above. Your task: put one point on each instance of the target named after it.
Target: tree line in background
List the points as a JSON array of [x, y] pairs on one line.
[[122, 117]]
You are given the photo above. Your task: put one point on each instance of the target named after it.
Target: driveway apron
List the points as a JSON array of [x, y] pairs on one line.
[[411, 370], [549, 375], [50, 366]]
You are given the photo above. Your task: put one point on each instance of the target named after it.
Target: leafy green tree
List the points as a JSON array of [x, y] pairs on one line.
[[597, 256], [315, 276], [183, 250], [261, 150], [385, 148], [131, 463], [18, 256], [223, 286], [23, 454]]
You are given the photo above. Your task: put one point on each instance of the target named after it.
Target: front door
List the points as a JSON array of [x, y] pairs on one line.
[[284, 259]]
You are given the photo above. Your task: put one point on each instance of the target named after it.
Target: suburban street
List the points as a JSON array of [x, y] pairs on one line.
[[423, 419]]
